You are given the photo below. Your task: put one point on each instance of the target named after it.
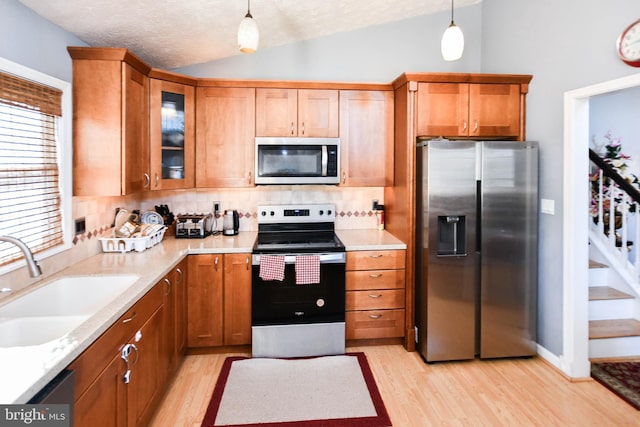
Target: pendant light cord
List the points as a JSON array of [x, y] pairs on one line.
[[451, 12]]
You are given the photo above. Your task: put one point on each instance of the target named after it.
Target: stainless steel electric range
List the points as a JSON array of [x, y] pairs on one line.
[[298, 282]]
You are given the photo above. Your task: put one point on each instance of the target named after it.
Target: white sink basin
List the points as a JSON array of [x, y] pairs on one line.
[[57, 308]]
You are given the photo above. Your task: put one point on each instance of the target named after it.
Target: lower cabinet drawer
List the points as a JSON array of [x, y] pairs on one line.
[[375, 279], [375, 324], [375, 299]]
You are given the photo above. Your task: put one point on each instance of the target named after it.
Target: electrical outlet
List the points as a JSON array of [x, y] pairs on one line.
[[216, 208], [80, 226]]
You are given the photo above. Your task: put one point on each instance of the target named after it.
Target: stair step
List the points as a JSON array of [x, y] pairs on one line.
[[598, 293], [598, 274], [613, 328]]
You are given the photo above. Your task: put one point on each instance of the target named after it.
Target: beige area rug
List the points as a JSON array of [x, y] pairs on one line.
[[328, 391]]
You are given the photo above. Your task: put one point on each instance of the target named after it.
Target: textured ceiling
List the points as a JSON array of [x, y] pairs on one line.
[[175, 33]]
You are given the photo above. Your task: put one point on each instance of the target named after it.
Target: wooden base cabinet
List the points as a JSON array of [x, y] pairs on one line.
[[375, 298], [237, 299], [105, 394], [219, 300], [204, 300]]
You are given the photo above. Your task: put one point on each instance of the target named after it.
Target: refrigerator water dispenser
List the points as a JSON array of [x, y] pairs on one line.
[[452, 233]]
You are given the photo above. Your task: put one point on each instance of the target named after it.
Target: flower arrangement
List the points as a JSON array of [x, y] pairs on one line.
[[612, 154]]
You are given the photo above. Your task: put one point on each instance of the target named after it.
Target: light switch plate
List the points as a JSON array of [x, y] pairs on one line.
[[548, 206]]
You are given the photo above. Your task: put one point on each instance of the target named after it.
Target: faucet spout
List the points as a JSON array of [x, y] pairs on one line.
[[32, 265]]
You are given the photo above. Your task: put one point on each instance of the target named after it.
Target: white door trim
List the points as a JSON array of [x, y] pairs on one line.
[[574, 360]]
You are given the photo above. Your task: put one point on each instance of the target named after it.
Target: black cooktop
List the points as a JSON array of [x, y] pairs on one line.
[[284, 242]]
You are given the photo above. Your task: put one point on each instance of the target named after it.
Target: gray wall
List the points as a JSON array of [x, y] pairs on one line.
[[31, 41], [566, 45], [374, 54]]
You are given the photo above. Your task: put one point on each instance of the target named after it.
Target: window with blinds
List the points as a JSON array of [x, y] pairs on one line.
[[30, 199]]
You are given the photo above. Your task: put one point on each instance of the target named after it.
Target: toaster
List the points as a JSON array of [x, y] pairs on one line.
[[194, 226]]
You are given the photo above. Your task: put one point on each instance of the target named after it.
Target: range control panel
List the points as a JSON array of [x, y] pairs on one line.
[[274, 214]]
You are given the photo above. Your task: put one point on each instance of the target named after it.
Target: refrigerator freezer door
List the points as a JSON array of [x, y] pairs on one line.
[[509, 224], [447, 277]]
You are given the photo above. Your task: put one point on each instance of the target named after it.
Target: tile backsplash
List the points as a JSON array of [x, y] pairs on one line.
[[353, 211]]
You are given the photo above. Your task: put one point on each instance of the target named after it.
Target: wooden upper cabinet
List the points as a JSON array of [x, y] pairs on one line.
[[110, 122], [366, 138], [172, 135], [296, 112], [225, 137], [489, 110]]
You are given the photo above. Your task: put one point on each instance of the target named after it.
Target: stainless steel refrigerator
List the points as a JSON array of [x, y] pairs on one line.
[[476, 249]]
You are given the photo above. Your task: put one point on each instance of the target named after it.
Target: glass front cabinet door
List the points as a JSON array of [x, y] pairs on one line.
[[172, 135]]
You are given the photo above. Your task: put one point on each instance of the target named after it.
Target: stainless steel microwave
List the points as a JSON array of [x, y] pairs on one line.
[[297, 160]]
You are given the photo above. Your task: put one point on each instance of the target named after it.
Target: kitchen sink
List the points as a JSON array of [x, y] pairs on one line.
[[57, 308]]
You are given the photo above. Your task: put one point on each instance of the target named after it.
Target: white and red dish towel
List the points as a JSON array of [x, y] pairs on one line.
[[272, 267], [307, 268]]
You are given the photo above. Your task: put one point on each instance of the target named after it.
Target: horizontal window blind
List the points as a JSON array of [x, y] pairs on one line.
[[30, 200]]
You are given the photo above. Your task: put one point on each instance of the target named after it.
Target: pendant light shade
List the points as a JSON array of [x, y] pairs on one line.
[[452, 44], [248, 35]]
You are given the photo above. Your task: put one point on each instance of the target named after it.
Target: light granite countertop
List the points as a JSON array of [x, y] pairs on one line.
[[26, 370]]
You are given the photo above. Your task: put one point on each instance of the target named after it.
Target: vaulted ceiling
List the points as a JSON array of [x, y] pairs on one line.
[[175, 33]]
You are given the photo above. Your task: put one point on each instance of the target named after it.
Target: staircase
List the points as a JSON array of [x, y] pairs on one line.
[[613, 330]]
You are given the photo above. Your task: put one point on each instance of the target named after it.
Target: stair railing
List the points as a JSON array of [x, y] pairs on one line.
[[616, 197]]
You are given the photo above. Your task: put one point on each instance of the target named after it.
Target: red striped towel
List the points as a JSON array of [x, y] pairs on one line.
[[307, 269], [272, 267]]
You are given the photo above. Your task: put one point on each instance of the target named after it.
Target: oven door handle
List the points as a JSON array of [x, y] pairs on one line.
[[326, 258]]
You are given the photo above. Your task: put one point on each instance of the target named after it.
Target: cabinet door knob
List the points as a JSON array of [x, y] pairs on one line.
[[375, 295], [291, 128], [147, 180], [375, 316], [302, 128], [375, 276], [216, 263], [475, 126], [247, 264], [157, 179], [168, 283], [180, 276], [464, 126]]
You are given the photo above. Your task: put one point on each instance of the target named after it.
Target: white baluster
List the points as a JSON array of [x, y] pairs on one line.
[[612, 219], [601, 203], [624, 253]]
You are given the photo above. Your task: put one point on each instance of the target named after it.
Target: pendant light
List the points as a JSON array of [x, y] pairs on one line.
[[248, 35], [452, 44]]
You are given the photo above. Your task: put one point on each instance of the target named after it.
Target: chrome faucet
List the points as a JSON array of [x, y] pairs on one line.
[[32, 265]]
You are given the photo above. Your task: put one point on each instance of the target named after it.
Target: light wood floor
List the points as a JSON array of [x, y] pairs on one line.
[[504, 392]]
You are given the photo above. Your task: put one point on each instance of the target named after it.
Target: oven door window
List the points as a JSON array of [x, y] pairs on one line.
[[291, 161]]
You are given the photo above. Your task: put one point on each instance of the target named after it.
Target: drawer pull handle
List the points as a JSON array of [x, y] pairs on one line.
[[376, 256], [375, 276], [133, 316], [375, 316], [375, 296]]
